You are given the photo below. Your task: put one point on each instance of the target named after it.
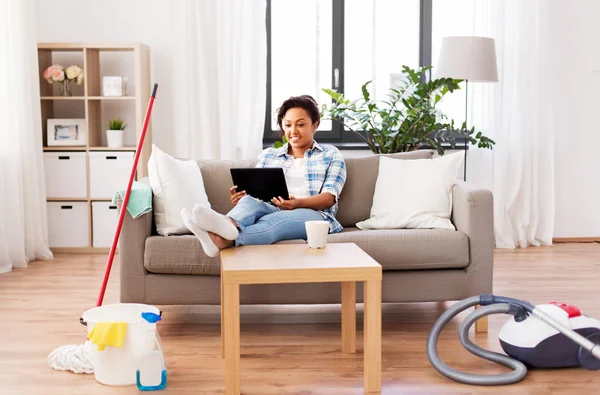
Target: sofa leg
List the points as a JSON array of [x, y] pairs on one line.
[[481, 325]]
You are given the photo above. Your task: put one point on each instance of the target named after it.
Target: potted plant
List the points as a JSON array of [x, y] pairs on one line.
[[114, 134], [408, 120]]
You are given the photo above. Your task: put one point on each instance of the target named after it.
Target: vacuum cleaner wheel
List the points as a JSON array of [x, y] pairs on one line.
[[586, 359]]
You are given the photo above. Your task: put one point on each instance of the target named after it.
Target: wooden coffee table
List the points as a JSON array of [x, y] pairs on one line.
[[297, 263]]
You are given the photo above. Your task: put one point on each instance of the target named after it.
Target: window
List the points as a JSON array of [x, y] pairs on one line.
[[301, 45], [379, 36], [341, 44]]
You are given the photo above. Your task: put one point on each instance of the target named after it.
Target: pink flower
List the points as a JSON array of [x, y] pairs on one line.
[[58, 75], [54, 73]]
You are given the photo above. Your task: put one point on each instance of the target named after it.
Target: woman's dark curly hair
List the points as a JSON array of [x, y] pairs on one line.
[[303, 101]]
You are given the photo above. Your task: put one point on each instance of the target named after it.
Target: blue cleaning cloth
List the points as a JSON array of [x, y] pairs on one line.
[[140, 199]]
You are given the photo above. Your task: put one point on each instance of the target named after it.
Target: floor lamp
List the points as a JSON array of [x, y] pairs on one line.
[[471, 59]]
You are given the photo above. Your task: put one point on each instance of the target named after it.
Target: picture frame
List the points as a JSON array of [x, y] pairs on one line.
[[67, 131]]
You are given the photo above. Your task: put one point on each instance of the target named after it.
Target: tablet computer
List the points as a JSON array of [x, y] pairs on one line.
[[260, 182]]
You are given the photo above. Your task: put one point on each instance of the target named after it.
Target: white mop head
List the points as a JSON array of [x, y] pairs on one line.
[[74, 358]]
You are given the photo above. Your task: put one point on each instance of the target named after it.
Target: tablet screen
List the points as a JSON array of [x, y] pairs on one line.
[[260, 183]]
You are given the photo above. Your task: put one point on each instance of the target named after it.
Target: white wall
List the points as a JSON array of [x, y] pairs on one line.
[[145, 21], [576, 139]]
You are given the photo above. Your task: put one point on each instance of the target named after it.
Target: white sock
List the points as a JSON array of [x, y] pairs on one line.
[[209, 247], [214, 222]]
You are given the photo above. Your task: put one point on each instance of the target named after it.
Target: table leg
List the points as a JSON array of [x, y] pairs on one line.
[[349, 316], [222, 318], [372, 329], [232, 334], [481, 325]]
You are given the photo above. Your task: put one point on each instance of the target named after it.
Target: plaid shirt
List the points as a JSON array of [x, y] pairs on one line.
[[325, 172]]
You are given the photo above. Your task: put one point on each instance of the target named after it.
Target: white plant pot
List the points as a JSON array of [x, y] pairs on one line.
[[115, 138]]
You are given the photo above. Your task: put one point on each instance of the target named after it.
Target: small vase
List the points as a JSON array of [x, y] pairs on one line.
[[65, 88]]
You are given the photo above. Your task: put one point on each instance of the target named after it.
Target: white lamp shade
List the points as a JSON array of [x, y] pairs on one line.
[[468, 58]]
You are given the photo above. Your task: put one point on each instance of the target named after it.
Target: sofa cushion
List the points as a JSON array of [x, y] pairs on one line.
[[217, 180], [182, 254], [426, 204], [356, 198], [395, 249], [408, 249], [176, 184]]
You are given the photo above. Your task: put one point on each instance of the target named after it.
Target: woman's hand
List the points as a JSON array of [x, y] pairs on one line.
[[235, 196], [285, 204]]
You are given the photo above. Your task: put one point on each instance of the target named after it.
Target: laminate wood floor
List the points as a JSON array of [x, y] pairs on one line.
[[285, 350]]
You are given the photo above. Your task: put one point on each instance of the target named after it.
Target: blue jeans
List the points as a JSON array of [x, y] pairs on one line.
[[262, 223]]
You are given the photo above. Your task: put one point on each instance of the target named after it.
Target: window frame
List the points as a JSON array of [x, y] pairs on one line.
[[335, 136]]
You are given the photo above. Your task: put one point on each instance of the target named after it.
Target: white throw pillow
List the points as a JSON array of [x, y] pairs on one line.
[[176, 184], [414, 193]]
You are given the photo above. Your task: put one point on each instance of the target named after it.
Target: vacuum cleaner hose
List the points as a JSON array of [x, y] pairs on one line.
[[519, 369]]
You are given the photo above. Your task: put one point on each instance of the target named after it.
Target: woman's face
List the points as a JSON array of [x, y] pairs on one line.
[[298, 127]]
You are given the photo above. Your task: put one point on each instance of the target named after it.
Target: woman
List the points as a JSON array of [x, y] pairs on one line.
[[315, 175]]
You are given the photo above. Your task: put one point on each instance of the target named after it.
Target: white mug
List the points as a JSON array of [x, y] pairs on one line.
[[316, 232]]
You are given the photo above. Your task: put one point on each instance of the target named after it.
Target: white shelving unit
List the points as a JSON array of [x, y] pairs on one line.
[[79, 179]]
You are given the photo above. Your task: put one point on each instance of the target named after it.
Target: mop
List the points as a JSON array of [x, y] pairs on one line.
[[75, 357]]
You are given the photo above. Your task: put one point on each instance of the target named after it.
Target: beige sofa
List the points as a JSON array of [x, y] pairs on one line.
[[418, 264]]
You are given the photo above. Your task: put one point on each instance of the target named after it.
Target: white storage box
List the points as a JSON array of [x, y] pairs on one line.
[[65, 174], [109, 172], [104, 222], [68, 224]]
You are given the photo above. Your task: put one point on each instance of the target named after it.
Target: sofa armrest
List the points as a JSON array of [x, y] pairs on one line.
[[473, 214], [132, 245]]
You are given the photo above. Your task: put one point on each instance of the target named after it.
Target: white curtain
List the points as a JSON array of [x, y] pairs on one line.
[[516, 112], [219, 78], [23, 227], [519, 113]]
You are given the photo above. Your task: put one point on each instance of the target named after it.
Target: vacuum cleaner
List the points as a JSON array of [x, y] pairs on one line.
[[553, 335]]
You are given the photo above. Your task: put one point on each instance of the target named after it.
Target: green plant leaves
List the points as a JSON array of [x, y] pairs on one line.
[[365, 92], [280, 143], [408, 120], [334, 95], [116, 124]]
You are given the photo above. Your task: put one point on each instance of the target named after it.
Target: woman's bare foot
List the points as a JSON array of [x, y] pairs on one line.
[[220, 242]]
